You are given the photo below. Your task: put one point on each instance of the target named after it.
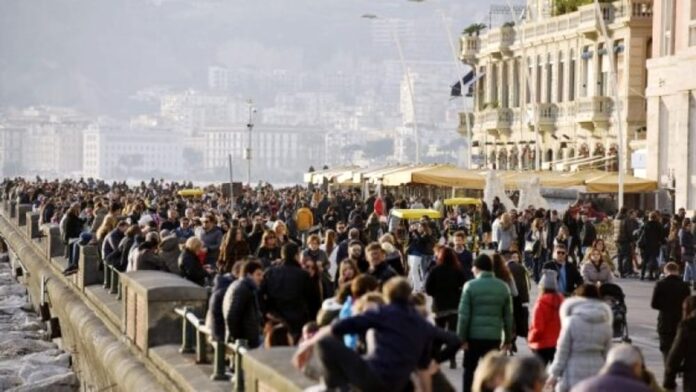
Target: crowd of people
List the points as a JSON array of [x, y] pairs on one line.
[[329, 273]]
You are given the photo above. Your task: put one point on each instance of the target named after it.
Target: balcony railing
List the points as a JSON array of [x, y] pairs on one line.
[[470, 45], [585, 19], [500, 40], [547, 114], [496, 119], [594, 109]]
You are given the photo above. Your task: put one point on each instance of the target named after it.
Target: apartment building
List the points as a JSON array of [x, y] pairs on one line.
[[671, 96], [545, 86]]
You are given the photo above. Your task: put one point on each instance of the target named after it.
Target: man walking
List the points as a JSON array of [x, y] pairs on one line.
[[568, 276], [667, 299], [485, 314]]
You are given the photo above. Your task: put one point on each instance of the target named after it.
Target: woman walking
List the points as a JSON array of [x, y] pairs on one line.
[[546, 319], [585, 338]]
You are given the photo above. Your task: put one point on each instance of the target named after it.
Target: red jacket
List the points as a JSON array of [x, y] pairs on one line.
[[546, 322]]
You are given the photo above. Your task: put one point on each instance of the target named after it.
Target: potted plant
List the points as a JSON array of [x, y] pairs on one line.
[[474, 29]]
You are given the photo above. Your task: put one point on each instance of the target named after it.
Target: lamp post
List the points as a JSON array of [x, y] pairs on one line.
[[609, 44], [407, 74], [247, 151], [458, 66]]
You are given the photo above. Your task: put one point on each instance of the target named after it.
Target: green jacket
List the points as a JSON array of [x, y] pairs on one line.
[[485, 310]]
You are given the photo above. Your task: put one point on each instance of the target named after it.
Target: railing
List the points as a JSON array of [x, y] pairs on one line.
[[112, 280], [547, 114], [499, 118], [194, 329], [470, 46], [594, 109], [500, 39]]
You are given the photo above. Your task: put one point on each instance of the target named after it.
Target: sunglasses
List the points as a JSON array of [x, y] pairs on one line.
[[560, 252]]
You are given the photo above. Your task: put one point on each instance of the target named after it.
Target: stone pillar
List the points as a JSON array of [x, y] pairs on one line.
[[149, 300], [33, 225], [88, 267], [55, 246], [22, 210]]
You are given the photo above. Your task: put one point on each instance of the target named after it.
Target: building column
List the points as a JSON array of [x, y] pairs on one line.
[[679, 152]]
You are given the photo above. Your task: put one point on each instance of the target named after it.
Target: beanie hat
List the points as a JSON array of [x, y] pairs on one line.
[[548, 280]]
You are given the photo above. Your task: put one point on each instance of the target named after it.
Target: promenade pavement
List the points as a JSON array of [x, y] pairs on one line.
[[642, 326]]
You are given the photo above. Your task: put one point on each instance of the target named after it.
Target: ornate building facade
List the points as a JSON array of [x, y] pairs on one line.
[[548, 82]]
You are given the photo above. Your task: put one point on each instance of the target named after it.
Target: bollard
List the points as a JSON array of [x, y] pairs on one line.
[[219, 373], [44, 310], [240, 345], [187, 335], [201, 349], [115, 287], [107, 277]]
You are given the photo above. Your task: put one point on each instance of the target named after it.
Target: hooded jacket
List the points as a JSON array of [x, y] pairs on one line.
[[546, 321], [585, 339]]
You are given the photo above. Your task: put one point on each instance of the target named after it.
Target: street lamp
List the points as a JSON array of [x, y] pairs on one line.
[[247, 151], [407, 73]]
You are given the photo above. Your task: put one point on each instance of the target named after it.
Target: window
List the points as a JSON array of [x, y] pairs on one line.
[[571, 76], [537, 89], [516, 83], [692, 24], [586, 56], [666, 47], [561, 70], [549, 77], [528, 81], [504, 86]]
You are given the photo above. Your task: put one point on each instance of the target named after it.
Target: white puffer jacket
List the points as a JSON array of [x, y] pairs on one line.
[[585, 339]]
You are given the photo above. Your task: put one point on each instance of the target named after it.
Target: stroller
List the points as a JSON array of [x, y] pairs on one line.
[[614, 296]]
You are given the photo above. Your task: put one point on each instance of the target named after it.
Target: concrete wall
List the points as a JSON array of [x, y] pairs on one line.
[[105, 356], [100, 359]]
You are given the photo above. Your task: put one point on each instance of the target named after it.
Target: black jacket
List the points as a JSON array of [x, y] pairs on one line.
[[242, 312], [286, 292], [73, 227], [682, 356], [215, 319], [444, 283], [573, 277], [667, 298], [654, 237], [191, 268], [268, 255], [383, 272], [588, 234]]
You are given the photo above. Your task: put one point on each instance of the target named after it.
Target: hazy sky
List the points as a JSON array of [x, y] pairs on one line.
[[94, 54]]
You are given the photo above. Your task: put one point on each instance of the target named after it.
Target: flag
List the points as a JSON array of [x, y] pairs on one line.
[[469, 79]]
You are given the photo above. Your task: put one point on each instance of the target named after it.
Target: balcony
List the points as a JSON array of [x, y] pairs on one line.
[[463, 129], [496, 120], [499, 41], [470, 45], [588, 23], [637, 13], [593, 111], [547, 114]]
